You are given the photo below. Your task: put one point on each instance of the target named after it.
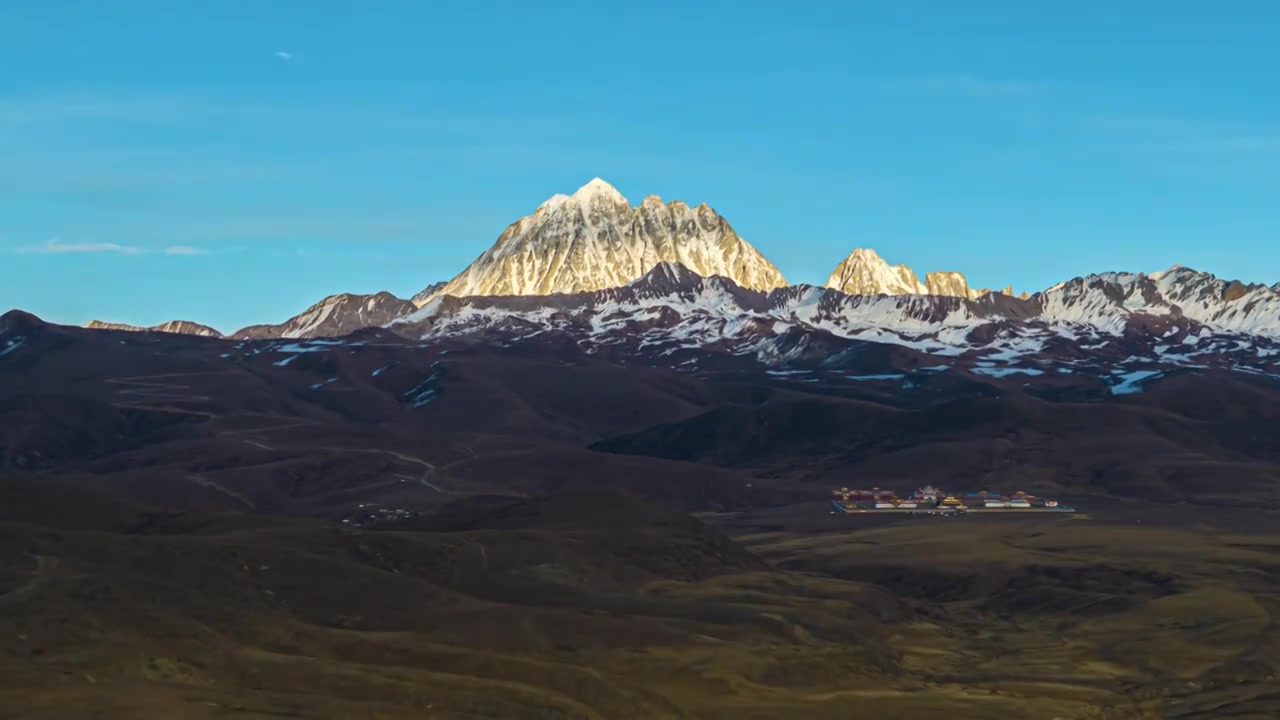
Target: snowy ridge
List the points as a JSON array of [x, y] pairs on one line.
[[594, 239], [1125, 316], [1112, 301], [1103, 302], [1229, 305]]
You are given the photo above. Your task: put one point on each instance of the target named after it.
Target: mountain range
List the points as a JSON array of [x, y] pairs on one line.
[[445, 506], [599, 271]]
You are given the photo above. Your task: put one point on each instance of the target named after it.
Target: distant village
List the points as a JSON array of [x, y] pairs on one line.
[[371, 513], [933, 499]]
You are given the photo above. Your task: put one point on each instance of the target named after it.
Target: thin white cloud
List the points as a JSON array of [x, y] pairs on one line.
[[283, 228], [58, 115], [976, 86], [56, 246], [1233, 146], [283, 55], [1160, 134]]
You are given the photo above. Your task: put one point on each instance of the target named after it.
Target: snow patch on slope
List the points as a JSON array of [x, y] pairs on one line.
[[1131, 382]]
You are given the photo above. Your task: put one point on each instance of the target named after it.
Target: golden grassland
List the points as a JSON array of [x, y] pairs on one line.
[[1147, 621], [978, 618]]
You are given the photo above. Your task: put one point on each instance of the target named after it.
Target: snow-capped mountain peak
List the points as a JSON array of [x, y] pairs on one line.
[[597, 189], [594, 240], [595, 192]]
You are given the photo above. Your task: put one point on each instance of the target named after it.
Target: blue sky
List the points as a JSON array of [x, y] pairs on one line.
[[159, 159]]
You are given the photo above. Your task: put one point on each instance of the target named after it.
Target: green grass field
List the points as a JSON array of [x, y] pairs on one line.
[[107, 612]]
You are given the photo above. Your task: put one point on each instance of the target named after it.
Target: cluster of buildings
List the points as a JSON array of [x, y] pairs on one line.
[[932, 498], [370, 513]]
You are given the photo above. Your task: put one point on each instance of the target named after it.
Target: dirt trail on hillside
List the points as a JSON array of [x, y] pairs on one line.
[[154, 396], [44, 565]]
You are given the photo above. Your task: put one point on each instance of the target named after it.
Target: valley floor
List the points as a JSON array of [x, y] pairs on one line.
[[598, 608]]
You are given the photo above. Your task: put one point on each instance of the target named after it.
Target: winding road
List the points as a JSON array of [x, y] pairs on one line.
[[160, 393], [44, 564]]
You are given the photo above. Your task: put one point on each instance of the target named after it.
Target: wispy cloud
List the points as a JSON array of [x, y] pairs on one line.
[[110, 175], [1172, 135], [55, 246], [975, 86], [1244, 145], [52, 112], [940, 84], [283, 228], [284, 55], [150, 109]]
